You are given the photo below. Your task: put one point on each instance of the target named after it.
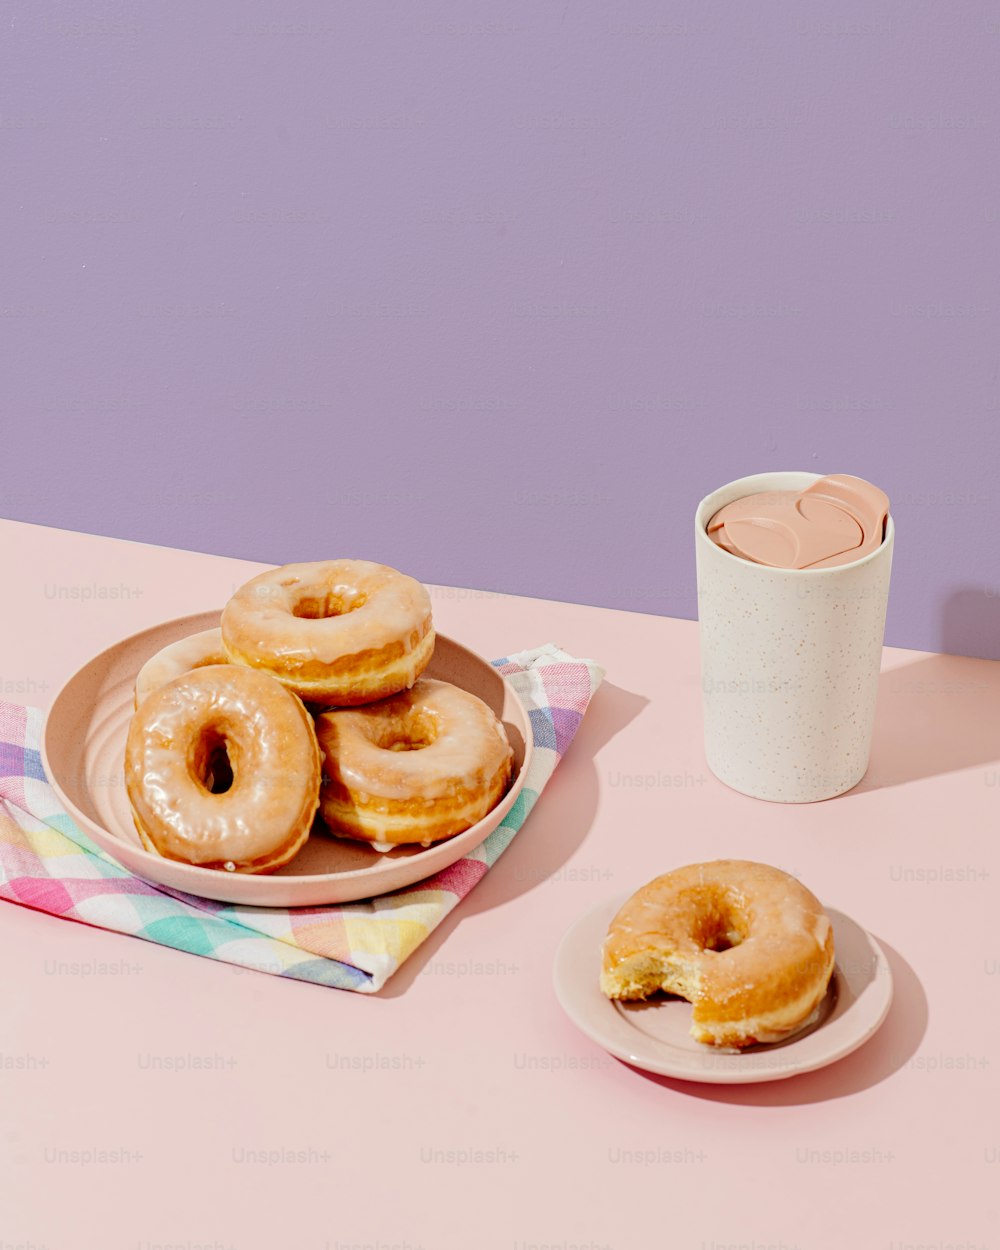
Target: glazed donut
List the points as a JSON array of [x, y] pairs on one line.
[[222, 770], [749, 946], [180, 657], [418, 767], [338, 632]]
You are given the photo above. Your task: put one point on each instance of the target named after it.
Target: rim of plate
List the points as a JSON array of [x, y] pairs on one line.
[[468, 838]]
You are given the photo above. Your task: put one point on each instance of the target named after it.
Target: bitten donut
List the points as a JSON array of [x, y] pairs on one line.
[[222, 770], [180, 657], [749, 946], [338, 632], [418, 767]]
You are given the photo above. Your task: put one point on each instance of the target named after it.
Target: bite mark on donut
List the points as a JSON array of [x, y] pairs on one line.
[[678, 935]]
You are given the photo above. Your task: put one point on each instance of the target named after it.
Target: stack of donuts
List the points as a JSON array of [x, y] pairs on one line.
[[308, 700]]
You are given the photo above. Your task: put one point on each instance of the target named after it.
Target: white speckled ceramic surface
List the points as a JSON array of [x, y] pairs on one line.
[[789, 661]]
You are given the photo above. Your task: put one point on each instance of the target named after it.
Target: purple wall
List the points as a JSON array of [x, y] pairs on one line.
[[495, 292]]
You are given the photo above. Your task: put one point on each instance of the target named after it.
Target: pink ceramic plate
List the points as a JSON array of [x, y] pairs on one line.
[[83, 749], [654, 1035]]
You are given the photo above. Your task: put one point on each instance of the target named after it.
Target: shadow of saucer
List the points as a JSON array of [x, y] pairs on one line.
[[556, 828], [890, 1049], [937, 715]]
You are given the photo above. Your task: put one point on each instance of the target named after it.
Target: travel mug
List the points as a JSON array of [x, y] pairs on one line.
[[789, 660]]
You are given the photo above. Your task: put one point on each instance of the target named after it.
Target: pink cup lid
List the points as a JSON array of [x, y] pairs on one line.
[[836, 520]]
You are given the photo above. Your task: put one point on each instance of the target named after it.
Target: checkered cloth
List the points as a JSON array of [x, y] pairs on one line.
[[47, 863]]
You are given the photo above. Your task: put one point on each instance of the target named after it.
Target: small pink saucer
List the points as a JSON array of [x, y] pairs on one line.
[[654, 1035], [83, 752]]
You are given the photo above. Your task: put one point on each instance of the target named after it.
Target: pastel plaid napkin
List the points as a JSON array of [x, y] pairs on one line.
[[49, 864]]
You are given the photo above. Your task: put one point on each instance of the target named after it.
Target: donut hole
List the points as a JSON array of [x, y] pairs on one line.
[[319, 607], [212, 765], [406, 744], [724, 941], [721, 928], [409, 733]]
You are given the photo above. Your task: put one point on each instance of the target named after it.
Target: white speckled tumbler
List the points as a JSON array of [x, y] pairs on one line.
[[789, 661]]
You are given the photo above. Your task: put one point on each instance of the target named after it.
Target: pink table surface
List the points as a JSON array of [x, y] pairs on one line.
[[193, 1105]]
